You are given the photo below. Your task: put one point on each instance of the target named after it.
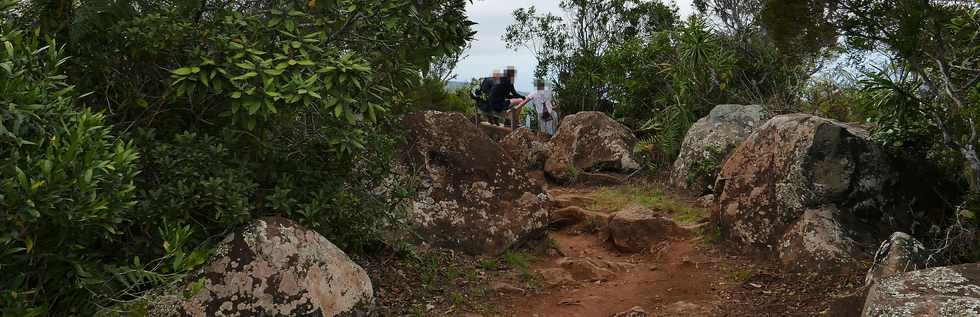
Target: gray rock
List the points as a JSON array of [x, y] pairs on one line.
[[899, 254], [527, 148], [556, 277], [274, 267], [818, 243], [707, 200], [587, 142], [506, 288], [827, 174], [472, 197], [633, 312], [575, 215], [710, 140], [635, 228], [684, 308], [940, 292], [586, 270]]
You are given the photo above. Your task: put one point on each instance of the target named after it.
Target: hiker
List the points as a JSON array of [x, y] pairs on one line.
[[503, 96], [542, 109], [481, 96]]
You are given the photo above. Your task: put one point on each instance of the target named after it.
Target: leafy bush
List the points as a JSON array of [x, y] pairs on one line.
[[432, 94], [242, 109], [66, 186]]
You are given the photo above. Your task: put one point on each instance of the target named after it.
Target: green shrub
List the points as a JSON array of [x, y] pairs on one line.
[[242, 110], [432, 94], [66, 189]]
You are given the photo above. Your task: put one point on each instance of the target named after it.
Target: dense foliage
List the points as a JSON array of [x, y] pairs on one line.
[[206, 114], [641, 63]]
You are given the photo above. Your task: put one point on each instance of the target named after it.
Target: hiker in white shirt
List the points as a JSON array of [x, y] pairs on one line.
[[543, 106]]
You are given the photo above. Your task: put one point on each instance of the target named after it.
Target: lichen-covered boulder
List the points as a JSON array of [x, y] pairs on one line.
[[816, 242], [899, 254], [472, 197], [799, 167], [709, 141], [528, 148], [590, 141], [635, 228], [936, 292], [273, 267]]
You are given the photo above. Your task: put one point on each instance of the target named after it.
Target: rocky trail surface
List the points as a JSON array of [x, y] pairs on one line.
[[687, 274]]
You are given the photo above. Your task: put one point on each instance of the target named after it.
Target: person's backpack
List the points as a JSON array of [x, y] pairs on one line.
[[481, 93], [546, 115], [486, 85]]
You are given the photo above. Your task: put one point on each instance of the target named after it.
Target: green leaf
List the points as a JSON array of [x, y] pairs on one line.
[[245, 76], [22, 178], [183, 71], [252, 105]]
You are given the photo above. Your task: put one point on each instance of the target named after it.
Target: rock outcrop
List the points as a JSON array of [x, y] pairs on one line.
[[636, 228], [473, 197], [814, 191], [899, 254], [940, 292], [709, 142], [587, 142], [274, 267], [528, 148]]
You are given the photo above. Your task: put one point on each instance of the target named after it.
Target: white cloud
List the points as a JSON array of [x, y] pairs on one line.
[[488, 51]]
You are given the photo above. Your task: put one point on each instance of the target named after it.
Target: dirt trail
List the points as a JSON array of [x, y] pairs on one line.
[[679, 277]]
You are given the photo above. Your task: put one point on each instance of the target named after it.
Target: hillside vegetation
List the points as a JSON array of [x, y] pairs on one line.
[[136, 134]]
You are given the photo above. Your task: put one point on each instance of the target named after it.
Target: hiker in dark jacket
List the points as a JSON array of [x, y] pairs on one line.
[[503, 96], [481, 97]]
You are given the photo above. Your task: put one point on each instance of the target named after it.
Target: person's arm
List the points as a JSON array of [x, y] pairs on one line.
[[526, 100], [513, 92]]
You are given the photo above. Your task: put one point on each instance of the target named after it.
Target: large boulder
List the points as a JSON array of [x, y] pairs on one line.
[[940, 292], [528, 148], [635, 228], [590, 141], [813, 190], [273, 267], [472, 197], [709, 141]]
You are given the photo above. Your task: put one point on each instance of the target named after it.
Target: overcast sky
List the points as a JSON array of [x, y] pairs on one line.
[[489, 52]]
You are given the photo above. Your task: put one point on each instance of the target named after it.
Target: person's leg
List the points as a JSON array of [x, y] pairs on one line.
[[515, 113], [514, 123], [542, 125]]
